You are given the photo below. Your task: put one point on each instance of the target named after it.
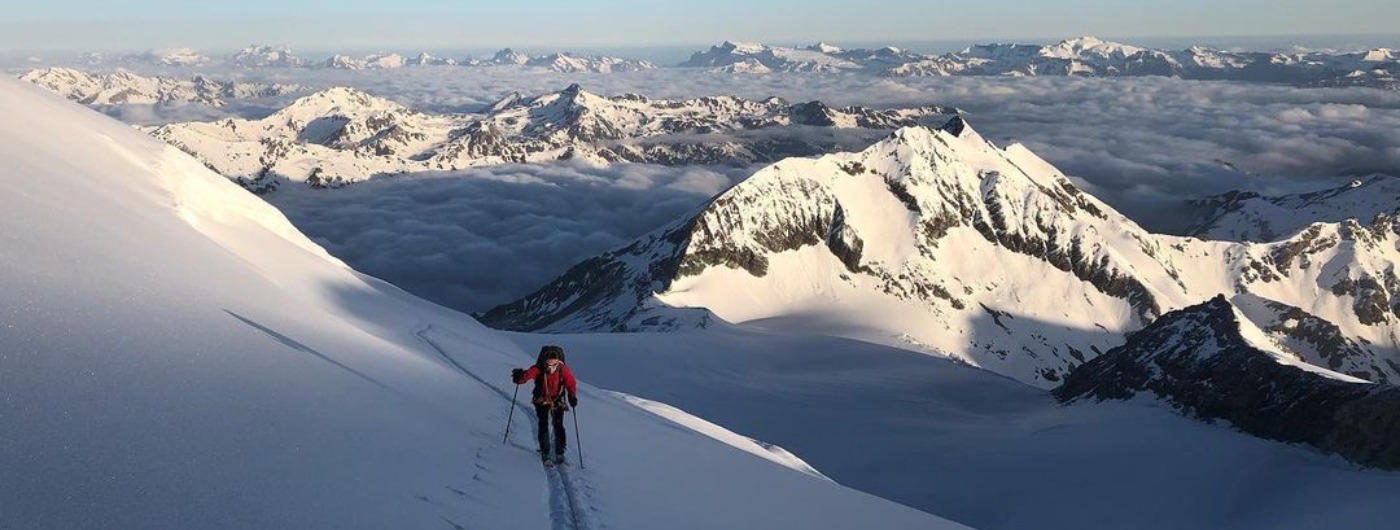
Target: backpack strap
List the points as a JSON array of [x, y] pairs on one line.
[[541, 371]]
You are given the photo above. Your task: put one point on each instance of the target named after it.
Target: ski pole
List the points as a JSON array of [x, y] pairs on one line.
[[511, 416], [578, 440]]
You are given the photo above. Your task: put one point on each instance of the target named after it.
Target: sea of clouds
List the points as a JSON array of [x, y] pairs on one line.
[[478, 238]]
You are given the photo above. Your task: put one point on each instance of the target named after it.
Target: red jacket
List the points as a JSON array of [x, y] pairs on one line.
[[552, 387]]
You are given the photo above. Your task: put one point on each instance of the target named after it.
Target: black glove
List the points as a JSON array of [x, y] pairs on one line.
[[573, 401], [516, 375]]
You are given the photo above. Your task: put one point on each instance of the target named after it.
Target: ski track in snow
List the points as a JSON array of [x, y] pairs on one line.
[[564, 491]]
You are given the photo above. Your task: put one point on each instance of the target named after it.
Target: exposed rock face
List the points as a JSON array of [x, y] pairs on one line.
[[345, 135], [1201, 359], [1318, 341]]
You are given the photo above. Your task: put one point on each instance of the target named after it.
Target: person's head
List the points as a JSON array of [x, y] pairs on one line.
[[551, 357]]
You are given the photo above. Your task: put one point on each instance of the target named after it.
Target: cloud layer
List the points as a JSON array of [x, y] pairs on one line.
[[1141, 144], [474, 239]]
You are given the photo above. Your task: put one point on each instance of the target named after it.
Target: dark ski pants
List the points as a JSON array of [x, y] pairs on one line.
[[560, 438]]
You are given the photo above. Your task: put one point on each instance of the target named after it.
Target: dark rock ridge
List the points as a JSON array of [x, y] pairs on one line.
[[1198, 360], [605, 294]]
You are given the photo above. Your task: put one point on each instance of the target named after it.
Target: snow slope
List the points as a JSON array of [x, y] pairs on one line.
[[982, 449], [176, 355]]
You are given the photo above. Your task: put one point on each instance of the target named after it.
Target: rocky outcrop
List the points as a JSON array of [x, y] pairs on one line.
[[1201, 360]]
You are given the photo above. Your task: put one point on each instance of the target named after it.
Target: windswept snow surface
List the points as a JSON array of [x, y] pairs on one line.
[[739, 441], [979, 448], [174, 354]]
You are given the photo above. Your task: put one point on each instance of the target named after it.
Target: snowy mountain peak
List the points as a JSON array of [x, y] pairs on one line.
[[1380, 55], [177, 57], [1086, 46], [741, 47], [256, 56], [510, 56], [892, 243], [335, 101], [823, 47], [881, 235]]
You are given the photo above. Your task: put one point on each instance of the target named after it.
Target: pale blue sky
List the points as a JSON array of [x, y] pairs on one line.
[[461, 24]]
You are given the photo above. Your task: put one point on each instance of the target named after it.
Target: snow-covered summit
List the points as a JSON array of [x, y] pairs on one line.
[[256, 56], [372, 61], [177, 57], [1081, 47], [897, 243], [725, 56], [565, 62], [510, 56], [885, 238]]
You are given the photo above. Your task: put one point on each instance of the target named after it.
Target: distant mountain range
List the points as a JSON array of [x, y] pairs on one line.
[[260, 56], [178, 57], [938, 239], [555, 62], [343, 135], [1082, 56], [124, 87]]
